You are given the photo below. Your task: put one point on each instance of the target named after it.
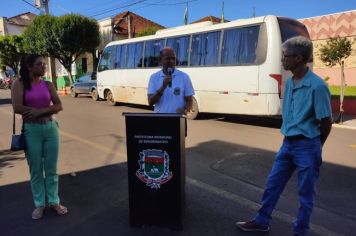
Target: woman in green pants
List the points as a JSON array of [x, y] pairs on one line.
[[37, 100]]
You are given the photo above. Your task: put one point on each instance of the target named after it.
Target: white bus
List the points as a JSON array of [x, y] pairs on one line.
[[235, 67]]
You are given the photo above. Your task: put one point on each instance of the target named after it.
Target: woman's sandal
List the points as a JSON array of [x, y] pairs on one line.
[[38, 213], [59, 209]]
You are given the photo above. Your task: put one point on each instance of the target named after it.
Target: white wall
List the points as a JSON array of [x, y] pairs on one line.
[[14, 29]]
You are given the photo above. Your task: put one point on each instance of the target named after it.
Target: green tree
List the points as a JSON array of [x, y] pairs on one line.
[[334, 52], [11, 51], [64, 38], [39, 36], [150, 30]]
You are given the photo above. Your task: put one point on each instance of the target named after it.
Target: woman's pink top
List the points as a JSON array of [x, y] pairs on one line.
[[39, 96]]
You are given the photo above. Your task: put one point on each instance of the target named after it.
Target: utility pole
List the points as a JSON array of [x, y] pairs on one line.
[[45, 6], [186, 14], [222, 13], [51, 61], [129, 30]]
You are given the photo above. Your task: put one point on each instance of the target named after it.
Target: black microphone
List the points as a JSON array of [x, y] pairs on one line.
[[170, 71]]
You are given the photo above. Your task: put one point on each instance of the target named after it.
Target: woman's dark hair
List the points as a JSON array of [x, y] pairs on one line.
[[26, 62]]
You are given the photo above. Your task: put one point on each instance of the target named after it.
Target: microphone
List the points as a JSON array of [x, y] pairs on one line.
[[170, 72]]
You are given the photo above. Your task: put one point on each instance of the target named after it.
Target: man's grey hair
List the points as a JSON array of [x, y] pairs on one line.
[[300, 45]]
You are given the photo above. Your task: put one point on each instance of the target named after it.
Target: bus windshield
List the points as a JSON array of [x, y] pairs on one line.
[[290, 28]]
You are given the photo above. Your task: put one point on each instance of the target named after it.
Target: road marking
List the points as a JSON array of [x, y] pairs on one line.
[[254, 206], [79, 139], [353, 145], [85, 141]]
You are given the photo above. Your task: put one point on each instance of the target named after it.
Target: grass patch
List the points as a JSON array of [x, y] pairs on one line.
[[350, 91]]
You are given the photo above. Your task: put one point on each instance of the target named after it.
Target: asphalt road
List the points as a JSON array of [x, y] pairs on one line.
[[227, 162]]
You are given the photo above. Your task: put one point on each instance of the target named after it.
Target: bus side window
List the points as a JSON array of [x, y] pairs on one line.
[[239, 46], [205, 49], [138, 55], [134, 55], [181, 47], [152, 50], [120, 56]]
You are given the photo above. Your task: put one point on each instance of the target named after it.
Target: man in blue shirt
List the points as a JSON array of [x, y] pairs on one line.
[[307, 122]]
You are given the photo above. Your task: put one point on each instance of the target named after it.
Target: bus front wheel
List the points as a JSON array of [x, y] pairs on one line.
[[193, 114], [110, 98]]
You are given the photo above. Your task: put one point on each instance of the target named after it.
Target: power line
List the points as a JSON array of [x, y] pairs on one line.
[[157, 3], [123, 4], [102, 6], [30, 4], [170, 4], [61, 7], [113, 9]]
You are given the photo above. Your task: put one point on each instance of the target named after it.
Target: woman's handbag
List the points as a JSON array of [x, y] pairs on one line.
[[18, 140]]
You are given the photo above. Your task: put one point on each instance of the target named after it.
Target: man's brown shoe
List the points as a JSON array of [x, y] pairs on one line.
[[251, 226]]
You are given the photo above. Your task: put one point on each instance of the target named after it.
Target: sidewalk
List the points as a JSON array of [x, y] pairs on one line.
[[349, 122]]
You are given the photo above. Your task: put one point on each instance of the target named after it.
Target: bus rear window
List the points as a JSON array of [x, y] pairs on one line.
[[290, 28]]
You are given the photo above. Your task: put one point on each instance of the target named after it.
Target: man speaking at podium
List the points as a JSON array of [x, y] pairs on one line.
[[170, 90]]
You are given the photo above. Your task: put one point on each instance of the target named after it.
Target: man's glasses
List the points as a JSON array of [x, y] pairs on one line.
[[288, 55], [41, 64]]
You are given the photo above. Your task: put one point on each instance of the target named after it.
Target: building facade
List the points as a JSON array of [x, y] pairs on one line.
[[15, 25], [122, 26], [321, 28]]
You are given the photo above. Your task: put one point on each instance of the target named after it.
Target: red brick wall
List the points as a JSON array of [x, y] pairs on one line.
[[349, 106]]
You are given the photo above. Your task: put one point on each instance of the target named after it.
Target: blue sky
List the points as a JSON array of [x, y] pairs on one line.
[[170, 13]]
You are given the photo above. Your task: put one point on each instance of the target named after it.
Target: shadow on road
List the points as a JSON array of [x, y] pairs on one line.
[[144, 107], [264, 121], [9, 158], [98, 198]]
